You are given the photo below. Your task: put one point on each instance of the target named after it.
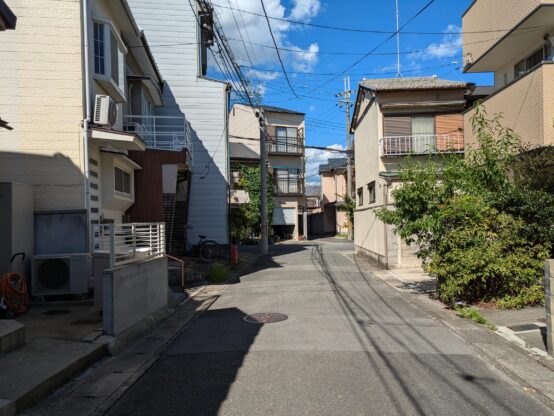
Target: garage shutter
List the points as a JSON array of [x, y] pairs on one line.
[[449, 127], [284, 216]]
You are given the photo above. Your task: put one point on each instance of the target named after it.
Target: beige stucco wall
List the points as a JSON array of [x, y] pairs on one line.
[[41, 96], [493, 15], [527, 107], [333, 187]]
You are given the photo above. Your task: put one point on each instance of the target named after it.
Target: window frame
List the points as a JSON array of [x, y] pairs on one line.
[[360, 193], [130, 173], [113, 76], [528, 64], [372, 192]]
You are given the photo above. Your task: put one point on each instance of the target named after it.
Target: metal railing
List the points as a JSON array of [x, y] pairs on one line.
[[286, 145], [421, 144], [288, 186], [129, 243], [161, 132]]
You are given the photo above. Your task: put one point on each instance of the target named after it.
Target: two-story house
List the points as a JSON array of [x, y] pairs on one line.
[[333, 176], [285, 135], [181, 34], [514, 39], [80, 88], [394, 119]]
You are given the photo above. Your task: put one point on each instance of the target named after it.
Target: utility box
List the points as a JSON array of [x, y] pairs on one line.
[[16, 227]]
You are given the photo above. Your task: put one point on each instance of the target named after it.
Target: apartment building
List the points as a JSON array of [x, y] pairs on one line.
[[181, 34], [285, 133], [514, 40], [395, 119], [80, 88], [333, 176]]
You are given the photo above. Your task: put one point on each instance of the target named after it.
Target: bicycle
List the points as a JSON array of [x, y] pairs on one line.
[[207, 250]]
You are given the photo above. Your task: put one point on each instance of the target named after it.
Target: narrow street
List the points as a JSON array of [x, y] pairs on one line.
[[351, 345]]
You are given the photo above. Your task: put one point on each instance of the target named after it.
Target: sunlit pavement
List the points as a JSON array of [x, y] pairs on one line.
[[351, 345]]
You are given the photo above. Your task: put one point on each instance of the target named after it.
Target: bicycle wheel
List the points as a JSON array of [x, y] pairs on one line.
[[209, 251]]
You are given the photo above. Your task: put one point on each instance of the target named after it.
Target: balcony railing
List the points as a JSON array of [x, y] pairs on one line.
[[161, 132], [288, 186], [286, 144], [421, 144], [129, 243]]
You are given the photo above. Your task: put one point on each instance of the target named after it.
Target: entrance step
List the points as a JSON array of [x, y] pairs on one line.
[[12, 335]]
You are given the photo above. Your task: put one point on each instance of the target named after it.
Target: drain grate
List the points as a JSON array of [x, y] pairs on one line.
[[265, 318], [525, 327]]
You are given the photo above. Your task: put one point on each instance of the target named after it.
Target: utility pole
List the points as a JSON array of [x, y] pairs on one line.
[[345, 101], [263, 183]]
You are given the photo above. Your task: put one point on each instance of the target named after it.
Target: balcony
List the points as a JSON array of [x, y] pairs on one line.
[[526, 105], [515, 28], [288, 186], [421, 145], [161, 132], [286, 145]]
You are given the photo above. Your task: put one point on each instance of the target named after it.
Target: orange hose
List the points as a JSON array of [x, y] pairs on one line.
[[14, 290]]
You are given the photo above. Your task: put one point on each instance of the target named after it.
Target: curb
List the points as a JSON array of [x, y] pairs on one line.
[[488, 357]]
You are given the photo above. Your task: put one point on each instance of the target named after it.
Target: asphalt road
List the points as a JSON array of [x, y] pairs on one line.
[[351, 346]]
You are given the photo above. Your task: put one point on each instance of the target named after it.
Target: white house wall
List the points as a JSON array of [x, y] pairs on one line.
[[171, 29]]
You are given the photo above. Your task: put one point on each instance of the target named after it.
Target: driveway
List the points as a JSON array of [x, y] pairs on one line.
[[351, 345]]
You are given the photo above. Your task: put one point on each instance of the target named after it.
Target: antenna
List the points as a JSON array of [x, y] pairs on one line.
[[398, 74]]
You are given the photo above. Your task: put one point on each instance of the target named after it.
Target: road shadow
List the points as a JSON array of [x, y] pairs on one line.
[[195, 374]]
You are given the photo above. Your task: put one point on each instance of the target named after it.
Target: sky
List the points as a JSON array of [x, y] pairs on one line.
[[314, 58]]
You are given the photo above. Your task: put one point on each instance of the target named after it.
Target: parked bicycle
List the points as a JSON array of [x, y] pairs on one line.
[[207, 250]]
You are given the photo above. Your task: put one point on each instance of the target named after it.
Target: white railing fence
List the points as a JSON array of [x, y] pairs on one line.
[[421, 144], [129, 243], [161, 132]]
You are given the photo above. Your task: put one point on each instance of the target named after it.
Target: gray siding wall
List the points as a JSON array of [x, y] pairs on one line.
[[171, 29]]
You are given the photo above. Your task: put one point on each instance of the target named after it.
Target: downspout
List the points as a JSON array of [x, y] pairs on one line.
[[227, 111], [386, 227], [86, 121]]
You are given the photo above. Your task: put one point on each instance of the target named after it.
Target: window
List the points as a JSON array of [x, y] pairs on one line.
[[526, 65], [286, 140], [371, 190], [99, 49], [360, 196], [109, 56], [423, 130], [122, 181]]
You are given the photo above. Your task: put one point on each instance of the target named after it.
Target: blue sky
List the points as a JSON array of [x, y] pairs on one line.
[[324, 51]]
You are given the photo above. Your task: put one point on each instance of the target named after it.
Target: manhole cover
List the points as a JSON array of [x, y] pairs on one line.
[[265, 318], [57, 312], [525, 327]]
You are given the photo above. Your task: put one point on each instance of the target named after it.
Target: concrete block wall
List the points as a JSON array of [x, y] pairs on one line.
[[133, 292], [549, 287]]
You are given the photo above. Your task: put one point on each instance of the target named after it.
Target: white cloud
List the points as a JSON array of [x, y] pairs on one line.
[[305, 9], [254, 29], [316, 157], [450, 46]]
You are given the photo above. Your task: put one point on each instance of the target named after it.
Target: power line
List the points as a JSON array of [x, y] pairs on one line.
[[420, 11], [329, 149], [357, 30], [277, 49]]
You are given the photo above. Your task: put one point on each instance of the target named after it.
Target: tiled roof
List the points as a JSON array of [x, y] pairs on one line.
[[332, 164], [272, 109], [412, 83]]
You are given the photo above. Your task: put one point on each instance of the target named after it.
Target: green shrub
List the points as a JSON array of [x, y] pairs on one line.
[[218, 272], [474, 315], [482, 255], [529, 296]]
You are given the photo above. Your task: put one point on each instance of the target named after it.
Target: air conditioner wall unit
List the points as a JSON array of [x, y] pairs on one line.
[[105, 110], [63, 274]]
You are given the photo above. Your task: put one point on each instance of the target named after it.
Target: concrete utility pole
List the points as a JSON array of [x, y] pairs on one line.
[[263, 183], [345, 101]]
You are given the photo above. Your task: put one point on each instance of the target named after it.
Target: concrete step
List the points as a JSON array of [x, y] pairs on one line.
[[12, 335], [40, 366]]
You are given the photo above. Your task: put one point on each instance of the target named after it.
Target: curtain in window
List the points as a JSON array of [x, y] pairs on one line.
[[423, 130]]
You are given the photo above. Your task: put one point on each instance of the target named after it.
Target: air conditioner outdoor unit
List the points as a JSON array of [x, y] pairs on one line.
[[63, 274], [105, 111]]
